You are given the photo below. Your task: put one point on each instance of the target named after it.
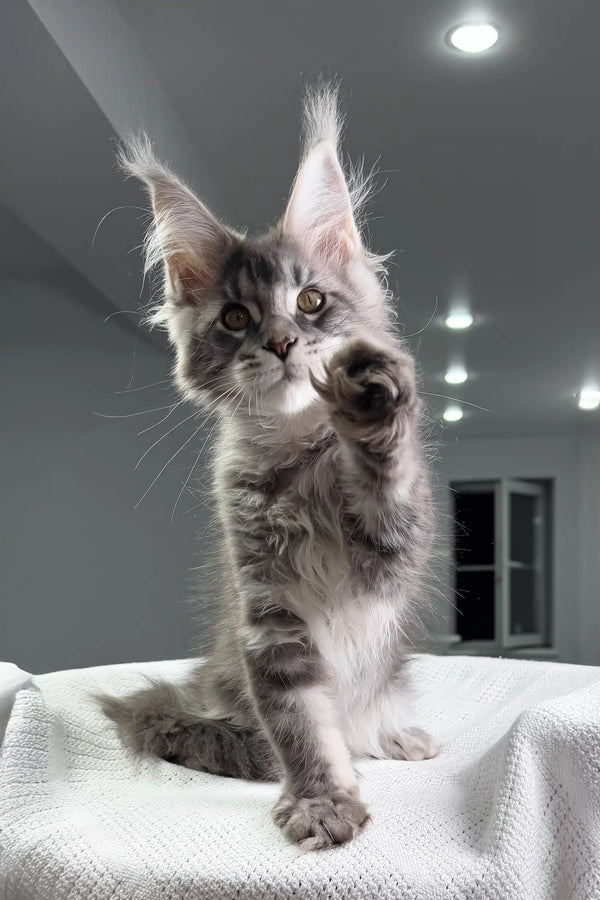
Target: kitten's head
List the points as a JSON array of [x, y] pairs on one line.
[[250, 319]]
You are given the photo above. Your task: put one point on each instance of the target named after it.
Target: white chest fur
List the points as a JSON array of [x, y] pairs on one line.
[[356, 637]]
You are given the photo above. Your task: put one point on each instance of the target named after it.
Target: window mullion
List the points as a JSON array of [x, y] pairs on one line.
[[502, 569]]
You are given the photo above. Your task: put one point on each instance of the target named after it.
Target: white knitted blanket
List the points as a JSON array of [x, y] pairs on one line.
[[510, 809]]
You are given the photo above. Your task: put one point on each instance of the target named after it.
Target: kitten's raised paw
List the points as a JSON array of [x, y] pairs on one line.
[[411, 744], [319, 822], [367, 383]]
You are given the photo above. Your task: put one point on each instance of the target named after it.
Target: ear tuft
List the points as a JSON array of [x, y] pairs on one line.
[[322, 119], [320, 212], [185, 237]]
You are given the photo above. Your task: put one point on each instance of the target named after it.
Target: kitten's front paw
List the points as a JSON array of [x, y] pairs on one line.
[[319, 822], [411, 744], [367, 384]]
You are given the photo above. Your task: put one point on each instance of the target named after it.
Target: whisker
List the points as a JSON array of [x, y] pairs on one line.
[[152, 446], [236, 409], [160, 421], [259, 402], [143, 387], [141, 412], [225, 378], [222, 396], [431, 318], [185, 483], [123, 312], [456, 400], [168, 462], [200, 452], [133, 357], [109, 213], [191, 510]]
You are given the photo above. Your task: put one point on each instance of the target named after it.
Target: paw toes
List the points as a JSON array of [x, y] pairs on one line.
[[374, 397], [413, 744], [362, 362], [319, 822], [367, 381]]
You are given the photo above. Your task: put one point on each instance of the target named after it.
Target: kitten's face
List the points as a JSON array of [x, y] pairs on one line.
[[251, 320], [271, 318]]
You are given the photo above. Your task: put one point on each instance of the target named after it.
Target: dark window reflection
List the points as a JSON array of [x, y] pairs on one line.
[[523, 608], [474, 528], [522, 528], [475, 605]]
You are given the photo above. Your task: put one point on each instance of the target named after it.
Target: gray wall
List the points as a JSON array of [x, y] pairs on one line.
[[87, 578]]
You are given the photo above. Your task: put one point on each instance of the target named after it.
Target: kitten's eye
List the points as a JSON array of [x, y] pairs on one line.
[[236, 317], [310, 301]]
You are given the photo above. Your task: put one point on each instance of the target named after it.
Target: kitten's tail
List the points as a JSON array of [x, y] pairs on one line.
[[148, 718], [169, 721]]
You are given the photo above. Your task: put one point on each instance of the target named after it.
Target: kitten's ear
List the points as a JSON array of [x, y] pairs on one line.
[[185, 237], [319, 213]]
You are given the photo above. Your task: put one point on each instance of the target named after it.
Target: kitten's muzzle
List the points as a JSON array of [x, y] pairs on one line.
[[280, 348]]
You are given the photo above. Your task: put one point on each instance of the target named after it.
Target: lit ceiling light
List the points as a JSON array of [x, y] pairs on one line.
[[473, 37], [456, 375], [453, 414], [588, 398], [459, 319]]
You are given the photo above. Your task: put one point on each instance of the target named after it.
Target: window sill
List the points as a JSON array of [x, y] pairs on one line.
[[550, 654], [476, 648]]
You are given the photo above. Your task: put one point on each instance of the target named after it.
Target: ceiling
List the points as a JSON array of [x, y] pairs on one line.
[[490, 184]]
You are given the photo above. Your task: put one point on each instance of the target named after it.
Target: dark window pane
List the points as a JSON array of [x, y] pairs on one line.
[[474, 528], [524, 610], [475, 605], [522, 525]]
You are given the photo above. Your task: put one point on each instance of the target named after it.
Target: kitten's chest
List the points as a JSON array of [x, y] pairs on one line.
[[356, 637], [304, 529]]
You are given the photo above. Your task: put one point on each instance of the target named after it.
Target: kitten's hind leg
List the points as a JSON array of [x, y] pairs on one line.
[[410, 743], [166, 721], [399, 737], [386, 728]]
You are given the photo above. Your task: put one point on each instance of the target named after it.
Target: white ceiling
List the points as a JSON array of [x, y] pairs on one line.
[[490, 172]]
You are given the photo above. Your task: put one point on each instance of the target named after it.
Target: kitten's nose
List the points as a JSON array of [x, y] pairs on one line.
[[280, 348]]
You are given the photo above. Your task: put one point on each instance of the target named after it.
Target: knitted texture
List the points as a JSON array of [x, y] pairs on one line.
[[510, 809]]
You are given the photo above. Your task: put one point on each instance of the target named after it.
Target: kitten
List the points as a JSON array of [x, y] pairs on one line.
[[321, 488]]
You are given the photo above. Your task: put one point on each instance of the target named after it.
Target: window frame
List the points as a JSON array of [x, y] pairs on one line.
[[507, 487], [502, 488]]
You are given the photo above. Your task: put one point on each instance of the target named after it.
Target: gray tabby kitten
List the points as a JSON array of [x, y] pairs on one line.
[[321, 488]]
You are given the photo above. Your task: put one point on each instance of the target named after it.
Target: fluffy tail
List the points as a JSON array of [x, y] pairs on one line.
[[168, 721]]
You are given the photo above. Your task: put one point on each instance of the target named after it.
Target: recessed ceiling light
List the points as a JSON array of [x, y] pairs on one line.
[[473, 37], [453, 414], [459, 319], [588, 398], [456, 375]]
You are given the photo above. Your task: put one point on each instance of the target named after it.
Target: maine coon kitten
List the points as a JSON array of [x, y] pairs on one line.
[[321, 488]]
